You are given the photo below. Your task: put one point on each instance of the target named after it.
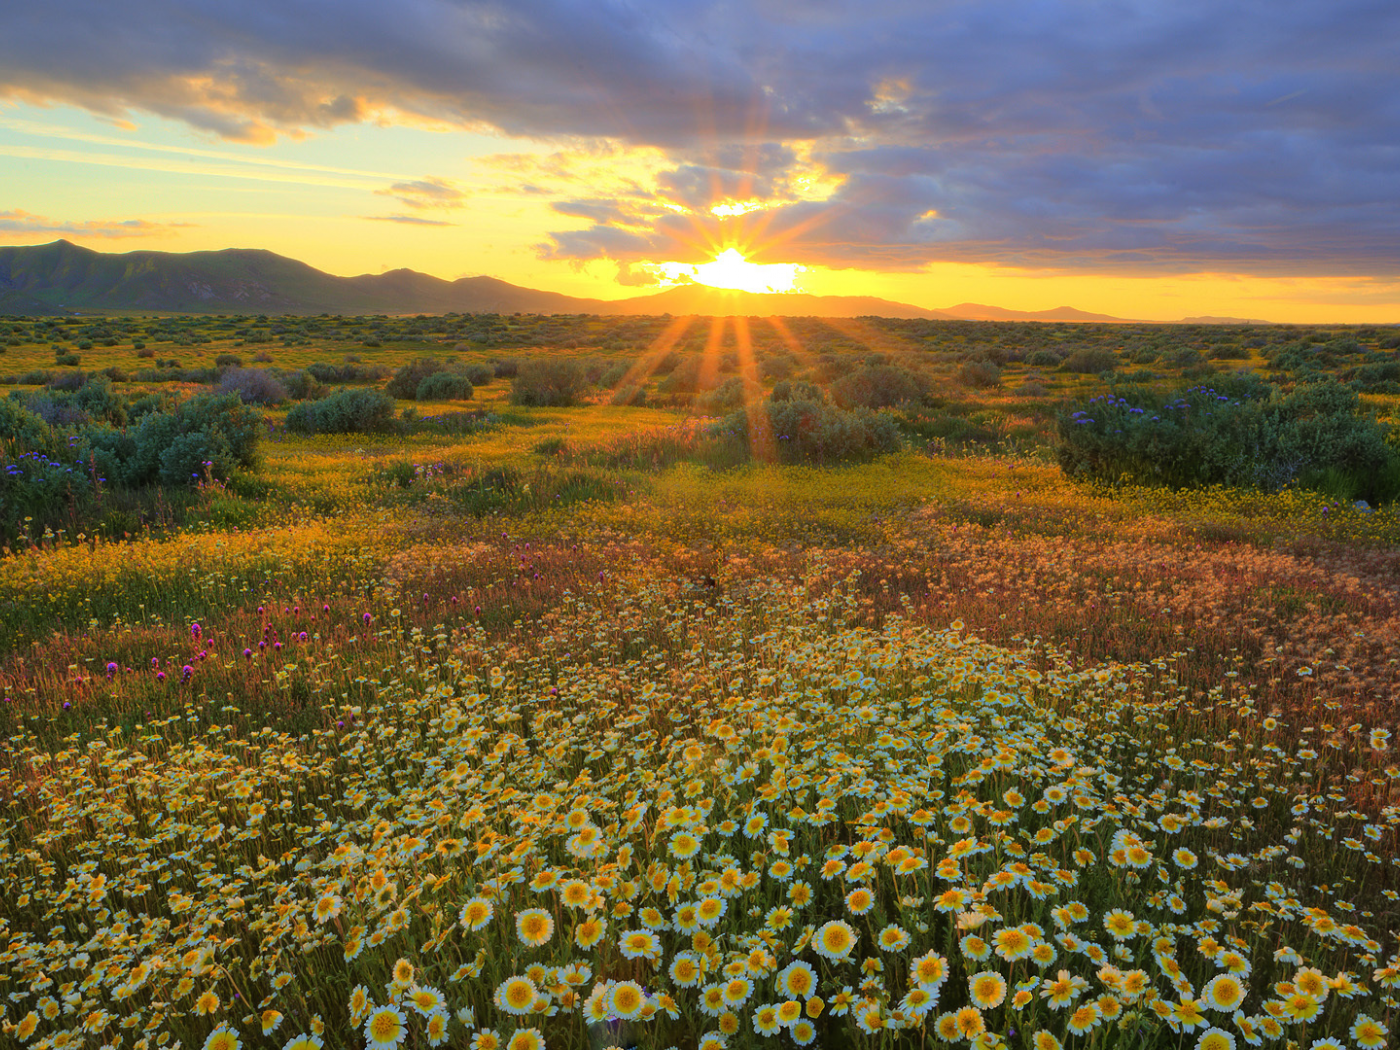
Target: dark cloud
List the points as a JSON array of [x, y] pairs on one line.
[[1086, 134], [25, 222]]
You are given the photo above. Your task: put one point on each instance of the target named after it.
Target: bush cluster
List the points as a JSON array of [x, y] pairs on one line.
[[814, 432], [59, 451], [1240, 431], [352, 411], [549, 381]]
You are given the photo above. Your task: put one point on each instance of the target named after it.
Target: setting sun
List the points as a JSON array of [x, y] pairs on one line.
[[729, 269]]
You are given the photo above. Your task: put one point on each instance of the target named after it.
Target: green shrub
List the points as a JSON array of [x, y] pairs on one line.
[[254, 386], [549, 381], [1088, 361], [1238, 431], [404, 384], [796, 390], [1043, 359], [815, 432], [344, 412], [980, 374], [729, 395], [444, 386], [879, 386]]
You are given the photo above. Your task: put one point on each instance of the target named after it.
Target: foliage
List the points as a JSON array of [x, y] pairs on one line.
[[811, 432], [349, 411], [444, 386], [1090, 361], [549, 381], [879, 386], [254, 386], [1239, 433]]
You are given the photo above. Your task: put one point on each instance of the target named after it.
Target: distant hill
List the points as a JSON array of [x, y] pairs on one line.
[[64, 278], [978, 312], [1209, 319]]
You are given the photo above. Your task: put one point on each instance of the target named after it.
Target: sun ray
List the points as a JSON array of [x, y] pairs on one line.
[[761, 444], [643, 368]]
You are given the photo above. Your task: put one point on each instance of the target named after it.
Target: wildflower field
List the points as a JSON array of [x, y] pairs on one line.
[[567, 732]]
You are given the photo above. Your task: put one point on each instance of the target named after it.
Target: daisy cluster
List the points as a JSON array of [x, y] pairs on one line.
[[712, 821]]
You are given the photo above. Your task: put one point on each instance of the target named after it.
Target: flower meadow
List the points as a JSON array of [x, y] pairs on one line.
[[670, 812], [577, 732]]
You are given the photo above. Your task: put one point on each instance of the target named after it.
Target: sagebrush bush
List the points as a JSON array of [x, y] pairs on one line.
[[549, 381], [1090, 361], [444, 386], [813, 432], [879, 386], [404, 384], [344, 412], [254, 386], [980, 374]]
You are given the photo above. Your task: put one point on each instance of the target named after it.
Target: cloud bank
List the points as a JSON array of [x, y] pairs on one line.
[[886, 134], [26, 223]]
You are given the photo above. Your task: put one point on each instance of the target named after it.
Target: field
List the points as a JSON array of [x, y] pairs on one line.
[[514, 725]]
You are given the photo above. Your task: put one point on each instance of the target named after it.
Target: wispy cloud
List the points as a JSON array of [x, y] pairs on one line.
[[408, 220], [27, 223], [431, 192]]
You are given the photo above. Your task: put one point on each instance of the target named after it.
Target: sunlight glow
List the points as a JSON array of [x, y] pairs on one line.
[[730, 269]]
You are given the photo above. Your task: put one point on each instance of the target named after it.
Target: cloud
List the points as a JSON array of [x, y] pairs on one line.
[[408, 220], [431, 192], [1076, 135], [24, 222]]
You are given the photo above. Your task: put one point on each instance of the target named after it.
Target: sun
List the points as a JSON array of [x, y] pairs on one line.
[[729, 269]]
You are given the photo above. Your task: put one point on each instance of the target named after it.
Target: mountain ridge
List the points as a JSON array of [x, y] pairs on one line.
[[64, 277]]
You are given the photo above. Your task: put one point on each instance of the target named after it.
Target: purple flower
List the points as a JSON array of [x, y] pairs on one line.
[[186, 673], [66, 705], [155, 662], [301, 637], [366, 619], [111, 668], [196, 631], [247, 654], [160, 676]]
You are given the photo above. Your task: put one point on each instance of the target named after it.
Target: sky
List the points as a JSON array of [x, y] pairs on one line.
[[1143, 159]]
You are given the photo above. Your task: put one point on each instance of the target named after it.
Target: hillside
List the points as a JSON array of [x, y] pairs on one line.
[[62, 277]]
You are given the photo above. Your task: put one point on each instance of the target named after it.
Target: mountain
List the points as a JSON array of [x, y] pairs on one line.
[[64, 278], [242, 280], [702, 299], [1208, 319], [978, 312]]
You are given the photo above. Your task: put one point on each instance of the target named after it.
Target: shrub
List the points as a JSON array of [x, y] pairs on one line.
[[228, 361], [478, 374], [444, 386], [1238, 432], [981, 374], [1090, 361], [879, 386], [344, 412], [815, 432], [404, 385], [142, 350], [67, 360], [505, 367], [796, 390], [1043, 359], [254, 386], [301, 385], [631, 394], [549, 381]]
